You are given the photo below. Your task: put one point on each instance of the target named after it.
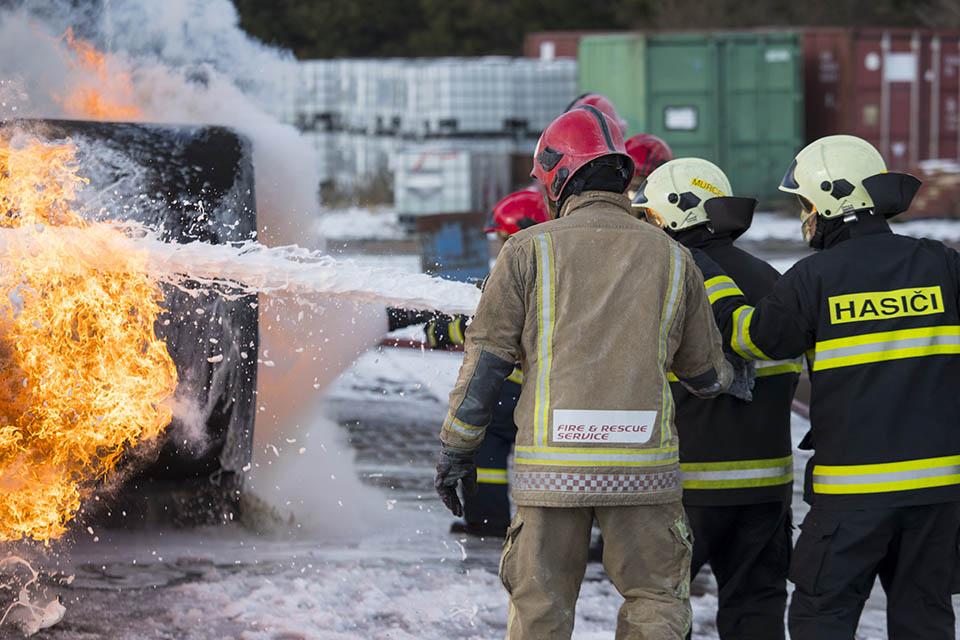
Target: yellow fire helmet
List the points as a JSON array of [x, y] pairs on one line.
[[674, 195]]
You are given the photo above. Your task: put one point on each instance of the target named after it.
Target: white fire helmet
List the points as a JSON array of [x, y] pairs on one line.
[[673, 196], [828, 176]]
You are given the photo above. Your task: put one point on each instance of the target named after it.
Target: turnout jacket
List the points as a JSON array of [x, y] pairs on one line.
[[597, 306], [877, 315], [734, 452]]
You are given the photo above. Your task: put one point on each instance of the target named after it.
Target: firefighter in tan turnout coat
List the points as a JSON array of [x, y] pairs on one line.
[[598, 306]]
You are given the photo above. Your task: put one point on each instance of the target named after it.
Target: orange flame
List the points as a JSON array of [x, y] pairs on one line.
[[103, 91], [83, 377]]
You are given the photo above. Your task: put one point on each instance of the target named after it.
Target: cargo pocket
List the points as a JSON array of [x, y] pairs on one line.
[[683, 536], [806, 565], [508, 558]]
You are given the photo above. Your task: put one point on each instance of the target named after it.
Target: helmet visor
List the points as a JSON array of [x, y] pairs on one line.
[[640, 198], [790, 179], [806, 205], [652, 217]]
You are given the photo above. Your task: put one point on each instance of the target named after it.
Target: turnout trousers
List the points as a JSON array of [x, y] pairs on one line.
[[646, 553], [490, 507], [748, 548], [839, 554]]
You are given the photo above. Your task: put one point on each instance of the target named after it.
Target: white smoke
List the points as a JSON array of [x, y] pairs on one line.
[[188, 62]]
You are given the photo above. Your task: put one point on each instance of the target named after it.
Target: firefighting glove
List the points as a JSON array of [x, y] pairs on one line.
[[446, 331], [744, 377], [454, 467]]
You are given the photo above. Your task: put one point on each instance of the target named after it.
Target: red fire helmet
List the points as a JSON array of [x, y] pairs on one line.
[[648, 153], [603, 103], [518, 211], [571, 141]]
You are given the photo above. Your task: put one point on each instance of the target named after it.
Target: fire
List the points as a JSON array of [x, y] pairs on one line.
[[83, 377], [103, 90]]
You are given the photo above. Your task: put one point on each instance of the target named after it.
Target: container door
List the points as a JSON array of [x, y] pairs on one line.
[[683, 100], [942, 78], [886, 97], [763, 110], [613, 65]]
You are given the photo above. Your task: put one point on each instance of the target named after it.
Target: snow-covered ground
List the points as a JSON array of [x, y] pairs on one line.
[[356, 223]]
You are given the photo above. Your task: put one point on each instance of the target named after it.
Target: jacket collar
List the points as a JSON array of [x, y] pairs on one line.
[[865, 225], [578, 202], [700, 237]]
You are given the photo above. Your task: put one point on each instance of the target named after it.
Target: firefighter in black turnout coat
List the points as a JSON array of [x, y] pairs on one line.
[[735, 456], [877, 316]]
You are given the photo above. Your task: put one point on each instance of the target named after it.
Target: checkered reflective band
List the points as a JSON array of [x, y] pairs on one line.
[[595, 482]]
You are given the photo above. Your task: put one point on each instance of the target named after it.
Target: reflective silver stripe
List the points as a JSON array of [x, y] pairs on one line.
[[827, 358], [466, 430], [723, 288], [775, 367], [890, 476], [666, 320], [738, 474], [740, 340], [492, 476], [545, 280], [585, 457]]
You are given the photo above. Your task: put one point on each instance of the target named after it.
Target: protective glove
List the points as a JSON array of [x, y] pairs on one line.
[[445, 331], [744, 377], [452, 467]]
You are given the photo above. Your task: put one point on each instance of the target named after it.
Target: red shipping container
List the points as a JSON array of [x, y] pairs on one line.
[[553, 44], [897, 88]]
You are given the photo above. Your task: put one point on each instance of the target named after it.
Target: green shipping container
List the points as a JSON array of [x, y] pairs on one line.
[[735, 99]]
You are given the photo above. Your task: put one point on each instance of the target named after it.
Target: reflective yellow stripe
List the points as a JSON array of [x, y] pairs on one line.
[[885, 477], [737, 474], [468, 431], [546, 281], [886, 345], [453, 328], [765, 368], [721, 287], [740, 338], [570, 457], [492, 476], [670, 303], [516, 375], [776, 367]]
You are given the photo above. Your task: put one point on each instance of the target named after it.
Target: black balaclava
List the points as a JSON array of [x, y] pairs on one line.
[[606, 173]]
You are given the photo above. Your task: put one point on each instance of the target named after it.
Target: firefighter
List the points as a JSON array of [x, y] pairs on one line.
[[602, 103], [648, 152], [487, 513], [595, 416], [877, 315], [735, 457]]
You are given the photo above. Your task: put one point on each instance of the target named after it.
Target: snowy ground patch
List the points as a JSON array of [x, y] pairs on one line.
[[356, 223]]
